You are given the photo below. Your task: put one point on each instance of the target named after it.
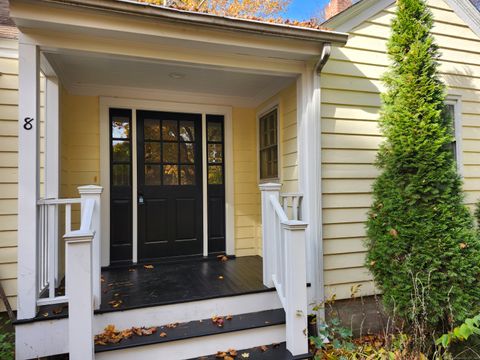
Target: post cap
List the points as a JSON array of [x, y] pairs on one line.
[[90, 189], [270, 187]]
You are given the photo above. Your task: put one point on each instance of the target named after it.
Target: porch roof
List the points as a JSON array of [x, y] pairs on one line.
[[173, 15]]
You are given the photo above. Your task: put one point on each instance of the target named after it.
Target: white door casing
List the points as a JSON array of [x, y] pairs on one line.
[[135, 104]]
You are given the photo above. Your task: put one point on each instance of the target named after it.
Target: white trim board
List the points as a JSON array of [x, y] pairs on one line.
[[365, 9], [134, 104]]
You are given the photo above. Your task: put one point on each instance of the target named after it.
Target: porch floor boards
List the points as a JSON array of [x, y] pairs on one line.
[[135, 286], [179, 282]]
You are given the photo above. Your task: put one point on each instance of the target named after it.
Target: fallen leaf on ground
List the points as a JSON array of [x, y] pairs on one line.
[[232, 352], [148, 266], [263, 348], [463, 245], [132, 270], [221, 355], [172, 325], [115, 303], [220, 277], [45, 314], [222, 258], [245, 355], [228, 317], [163, 334], [218, 320], [58, 310]]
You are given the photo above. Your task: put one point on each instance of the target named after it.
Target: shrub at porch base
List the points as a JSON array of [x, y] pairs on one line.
[[423, 249]]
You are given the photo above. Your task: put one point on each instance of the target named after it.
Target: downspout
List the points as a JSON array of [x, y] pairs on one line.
[[316, 103]]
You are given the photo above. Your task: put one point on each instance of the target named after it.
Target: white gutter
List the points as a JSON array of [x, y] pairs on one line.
[[161, 13]]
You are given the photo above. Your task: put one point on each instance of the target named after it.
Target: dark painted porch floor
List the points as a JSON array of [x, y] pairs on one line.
[[140, 286], [143, 285]]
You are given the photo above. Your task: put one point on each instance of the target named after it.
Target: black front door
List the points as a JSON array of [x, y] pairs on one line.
[[169, 152]]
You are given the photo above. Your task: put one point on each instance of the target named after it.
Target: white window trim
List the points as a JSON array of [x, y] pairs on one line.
[[274, 105], [136, 104], [456, 101]]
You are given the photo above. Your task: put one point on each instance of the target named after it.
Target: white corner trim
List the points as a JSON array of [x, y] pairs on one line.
[[357, 14], [467, 12]]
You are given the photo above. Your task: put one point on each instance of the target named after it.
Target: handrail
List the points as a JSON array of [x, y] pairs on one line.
[[278, 208], [284, 260], [59, 201]]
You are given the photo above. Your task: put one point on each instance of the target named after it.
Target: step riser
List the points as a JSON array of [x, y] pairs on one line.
[[201, 346], [190, 311]]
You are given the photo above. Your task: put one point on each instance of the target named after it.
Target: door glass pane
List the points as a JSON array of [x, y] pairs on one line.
[[121, 150], [215, 153], [187, 131], [215, 175], [187, 175], [153, 174], [120, 128], [120, 175], [170, 175], [214, 131], [169, 130], [187, 153], [152, 152], [170, 152], [151, 129]]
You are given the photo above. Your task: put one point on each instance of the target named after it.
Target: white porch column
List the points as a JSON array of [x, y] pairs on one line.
[[52, 174], [28, 178], [268, 232], [310, 164], [94, 192], [79, 288], [295, 287]]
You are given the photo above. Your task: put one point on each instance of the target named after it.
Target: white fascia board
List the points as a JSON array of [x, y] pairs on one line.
[[467, 12]]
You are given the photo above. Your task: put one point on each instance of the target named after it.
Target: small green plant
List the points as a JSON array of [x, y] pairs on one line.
[[7, 347], [461, 333], [333, 336]]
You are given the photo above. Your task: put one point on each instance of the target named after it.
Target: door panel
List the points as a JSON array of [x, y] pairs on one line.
[[169, 152]]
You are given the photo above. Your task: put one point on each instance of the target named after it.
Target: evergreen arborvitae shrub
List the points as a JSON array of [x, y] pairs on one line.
[[423, 249]]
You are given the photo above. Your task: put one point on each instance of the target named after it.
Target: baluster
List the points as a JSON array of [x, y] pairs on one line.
[[45, 245], [295, 200], [51, 252], [68, 218], [285, 204]]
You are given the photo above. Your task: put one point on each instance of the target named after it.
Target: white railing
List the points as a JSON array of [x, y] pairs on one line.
[[49, 273], [82, 264], [51, 260], [284, 260]]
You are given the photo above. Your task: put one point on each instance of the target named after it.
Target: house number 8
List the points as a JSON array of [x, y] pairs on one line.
[[28, 123]]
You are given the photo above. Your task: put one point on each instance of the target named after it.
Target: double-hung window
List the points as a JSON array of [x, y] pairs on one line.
[[452, 113], [268, 145]]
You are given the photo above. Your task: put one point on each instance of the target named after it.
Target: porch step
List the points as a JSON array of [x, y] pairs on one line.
[[46, 336], [200, 338], [264, 352]]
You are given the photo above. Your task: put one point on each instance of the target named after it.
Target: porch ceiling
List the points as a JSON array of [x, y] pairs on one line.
[[98, 74]]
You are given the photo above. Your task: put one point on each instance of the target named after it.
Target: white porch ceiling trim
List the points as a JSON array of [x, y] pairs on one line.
[[170, 95]]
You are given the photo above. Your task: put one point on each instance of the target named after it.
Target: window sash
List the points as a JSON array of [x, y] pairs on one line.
[[268, 145]]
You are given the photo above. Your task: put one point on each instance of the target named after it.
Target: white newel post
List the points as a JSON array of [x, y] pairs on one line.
[[28, 179], [268, 231], [94, 192], [295, 287], [79, 290]]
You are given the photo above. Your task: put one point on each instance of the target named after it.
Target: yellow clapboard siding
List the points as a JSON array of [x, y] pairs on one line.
[[347, 276], [350, 108], [344, 261], [344, 291], [343, 216], [8, 238], [339, 246], [339, 156]]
